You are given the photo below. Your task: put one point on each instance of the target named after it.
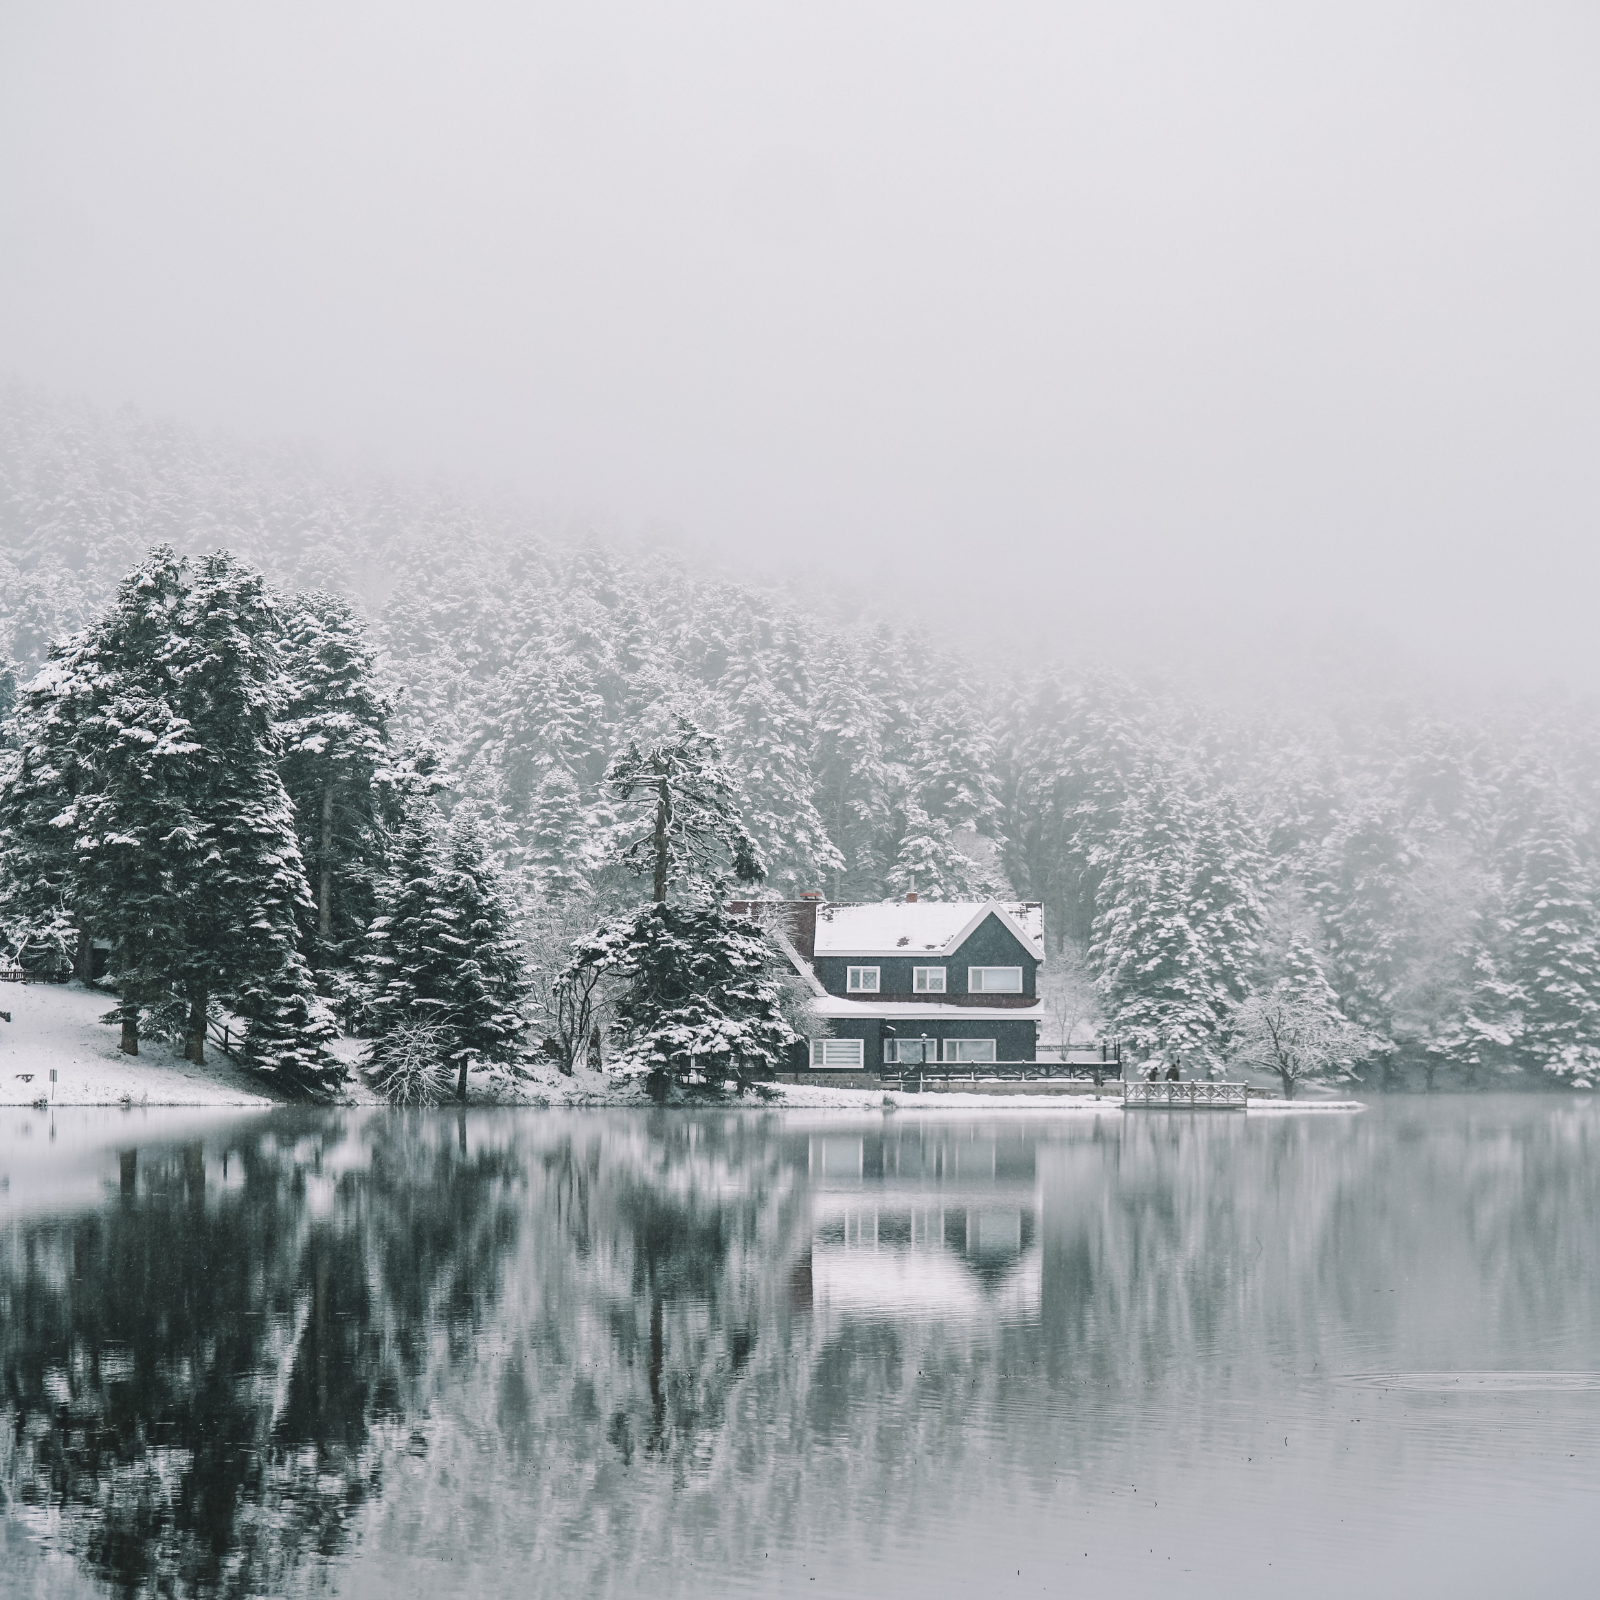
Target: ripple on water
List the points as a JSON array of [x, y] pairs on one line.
[[1534, 1382]]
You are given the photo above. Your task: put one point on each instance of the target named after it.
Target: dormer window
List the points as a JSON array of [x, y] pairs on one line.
[[994, 980], [861, 980], [927, 980]]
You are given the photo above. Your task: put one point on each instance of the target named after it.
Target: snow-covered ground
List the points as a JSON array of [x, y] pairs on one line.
[[55, 1026], [58, 1026]]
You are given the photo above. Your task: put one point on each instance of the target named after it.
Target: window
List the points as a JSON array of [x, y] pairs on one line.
[[927, 980], [994, 980], [910, 1052], [836, 1053], [861, 980], [969, 1050]]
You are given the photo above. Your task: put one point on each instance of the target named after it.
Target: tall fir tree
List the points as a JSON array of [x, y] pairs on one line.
[[334, 728], [1554, 946], [443, 949]]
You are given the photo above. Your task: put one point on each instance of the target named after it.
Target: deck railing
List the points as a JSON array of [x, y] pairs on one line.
[[1164, 1093], [1007, 1071]]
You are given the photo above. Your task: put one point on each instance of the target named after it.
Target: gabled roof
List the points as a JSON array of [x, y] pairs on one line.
[[921, 927]]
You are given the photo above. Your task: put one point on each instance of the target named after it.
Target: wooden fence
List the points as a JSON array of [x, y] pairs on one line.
[[1165, 1095]]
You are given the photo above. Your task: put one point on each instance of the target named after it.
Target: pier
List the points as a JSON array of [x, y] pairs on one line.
[[1164, 1095]]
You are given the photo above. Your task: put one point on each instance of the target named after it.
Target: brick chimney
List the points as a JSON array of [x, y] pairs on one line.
[[911, 897], [809, 894]]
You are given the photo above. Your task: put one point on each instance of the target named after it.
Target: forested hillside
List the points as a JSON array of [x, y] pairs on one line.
[[1428, 874]]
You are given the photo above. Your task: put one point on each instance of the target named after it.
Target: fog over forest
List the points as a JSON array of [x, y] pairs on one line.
[[1130, 459]]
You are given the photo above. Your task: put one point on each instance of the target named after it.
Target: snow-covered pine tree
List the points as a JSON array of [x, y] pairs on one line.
[[772, 738], [407, 973], [40, 780], [1162, 984], [238, 863], [487, 1013], [928, 860], [558, 838], [692, 830], [696, 993], [132, 754], [1553, 943], [849, 782], [334, 731], [443, 949]]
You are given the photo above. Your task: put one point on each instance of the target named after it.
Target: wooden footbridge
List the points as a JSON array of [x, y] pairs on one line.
[[1165, 1095]]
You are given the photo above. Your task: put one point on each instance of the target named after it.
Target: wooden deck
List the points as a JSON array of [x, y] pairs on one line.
[[1163, 1095]]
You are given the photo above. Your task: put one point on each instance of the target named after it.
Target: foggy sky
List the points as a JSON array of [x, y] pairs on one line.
[[1162, 324]]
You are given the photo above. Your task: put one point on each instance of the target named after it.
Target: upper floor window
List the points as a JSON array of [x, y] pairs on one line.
[[927, 980], [994, 980], [861, 980]]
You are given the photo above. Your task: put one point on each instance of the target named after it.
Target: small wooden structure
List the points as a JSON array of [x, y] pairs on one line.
[[1195, 1095]]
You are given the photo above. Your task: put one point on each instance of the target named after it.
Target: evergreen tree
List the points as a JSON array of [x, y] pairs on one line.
[[558, 846], [443, 950], [334, 732], [697, 993], [1173, 933], [693, 829], [40, 781], [1554, 947], [928, 860]]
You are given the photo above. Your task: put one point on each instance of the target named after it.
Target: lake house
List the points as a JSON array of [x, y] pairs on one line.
[[901, 983]]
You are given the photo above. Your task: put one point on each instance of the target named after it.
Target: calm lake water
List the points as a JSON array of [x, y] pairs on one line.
[[749, 1353]]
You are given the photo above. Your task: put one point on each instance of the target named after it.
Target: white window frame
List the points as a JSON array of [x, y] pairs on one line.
[[954, 1047], [921, 984], [978, 981], [893, 1047], [853, 980], [853, 1050]]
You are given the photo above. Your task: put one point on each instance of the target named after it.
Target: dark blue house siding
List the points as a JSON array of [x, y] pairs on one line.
[[990, 944], [1013, 1041]]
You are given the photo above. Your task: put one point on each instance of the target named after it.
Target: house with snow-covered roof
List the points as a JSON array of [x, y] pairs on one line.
[[901, 983]]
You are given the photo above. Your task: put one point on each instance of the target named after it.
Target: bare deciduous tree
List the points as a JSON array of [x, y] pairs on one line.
[[1288, 1033]]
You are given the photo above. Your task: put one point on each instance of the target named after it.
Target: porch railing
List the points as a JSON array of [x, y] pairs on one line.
[[1197, 1094]]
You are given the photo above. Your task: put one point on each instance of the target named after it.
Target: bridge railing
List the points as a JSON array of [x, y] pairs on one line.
[[1197, 1093]]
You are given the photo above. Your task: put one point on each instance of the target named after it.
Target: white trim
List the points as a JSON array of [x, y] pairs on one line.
[[852, 987], [924, 988], [821, 1049], [835, 1005], [983, 988]]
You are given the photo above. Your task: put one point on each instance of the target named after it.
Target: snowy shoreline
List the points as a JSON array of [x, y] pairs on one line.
[[58, 1027]]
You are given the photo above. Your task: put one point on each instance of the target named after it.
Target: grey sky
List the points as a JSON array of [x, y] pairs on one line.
[[1213, 319]]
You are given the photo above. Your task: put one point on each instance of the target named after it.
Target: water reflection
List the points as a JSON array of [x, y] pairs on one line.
[[414, 1354]]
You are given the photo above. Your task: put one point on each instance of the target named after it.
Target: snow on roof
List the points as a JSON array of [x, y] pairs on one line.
[[902, 927]]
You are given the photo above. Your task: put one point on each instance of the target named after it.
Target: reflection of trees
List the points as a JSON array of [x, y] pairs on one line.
[[201, 1387], [607, 1342]]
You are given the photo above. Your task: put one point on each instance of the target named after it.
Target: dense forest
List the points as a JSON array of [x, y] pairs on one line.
[[1423, 869]]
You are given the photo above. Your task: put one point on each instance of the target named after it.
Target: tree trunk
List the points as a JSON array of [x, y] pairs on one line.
[[325, 885], [461, 1081], [83, 957], [663, 818], [129, 1044], [194, 1040], [1289, 1081]]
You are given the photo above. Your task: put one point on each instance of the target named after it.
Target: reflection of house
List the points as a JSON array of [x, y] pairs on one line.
[[898, 983], [912, 1223]]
